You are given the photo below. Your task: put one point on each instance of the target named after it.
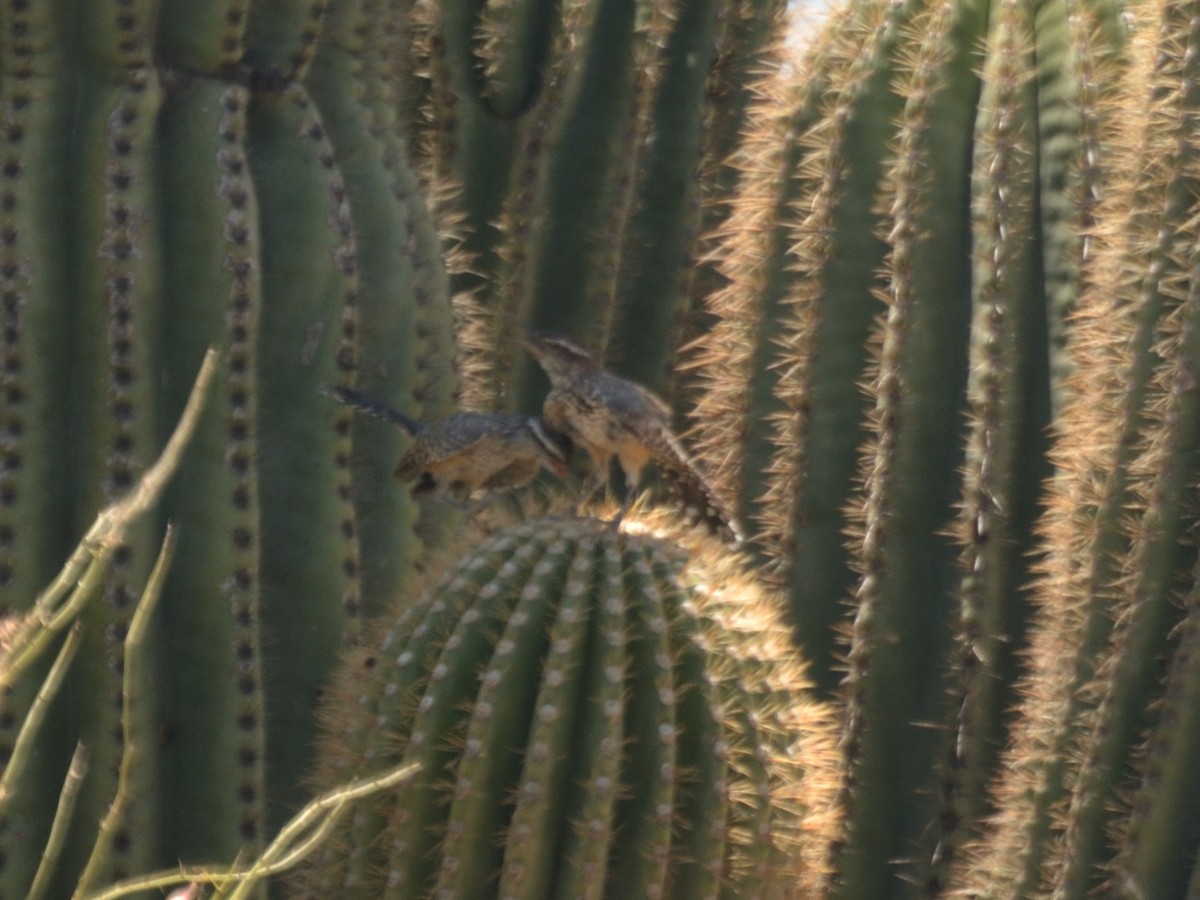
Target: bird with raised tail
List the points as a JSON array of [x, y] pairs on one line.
[[610, 416], [468, 453]]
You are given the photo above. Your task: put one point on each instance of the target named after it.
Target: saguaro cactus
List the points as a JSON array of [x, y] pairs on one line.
[[177, 176], [1092, 796], [592, 712], [881, 383], [572, 135]]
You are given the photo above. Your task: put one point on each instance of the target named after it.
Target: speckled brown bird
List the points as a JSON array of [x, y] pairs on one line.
[[468, 453], [609, 416]]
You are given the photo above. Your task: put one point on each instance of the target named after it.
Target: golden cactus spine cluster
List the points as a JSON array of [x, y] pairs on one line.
[[626, 716]]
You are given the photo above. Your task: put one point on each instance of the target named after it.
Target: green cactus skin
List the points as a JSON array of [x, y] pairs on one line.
[[573, 136], [902, 177], [626, 718], [33, 410], [1008, 401], [1117, 533], [213, 215], [1157, 839], [118, 283], [176, 176], [662, 223], [750, 38], [404, 351]]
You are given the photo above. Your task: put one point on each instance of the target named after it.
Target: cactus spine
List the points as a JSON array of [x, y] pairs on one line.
[[626, 718], [909, 304], [178, 177], [571, 138], [1095, 724], [959, 242]]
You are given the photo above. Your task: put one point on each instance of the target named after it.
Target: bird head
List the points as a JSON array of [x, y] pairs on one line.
[[560, 357]]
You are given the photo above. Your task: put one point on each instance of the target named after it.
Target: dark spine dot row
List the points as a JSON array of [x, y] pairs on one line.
[[133, 37], [13, 107], [230, 42], [14, 104], [236, 190], [124, 220], [303, 55], [345, 255]]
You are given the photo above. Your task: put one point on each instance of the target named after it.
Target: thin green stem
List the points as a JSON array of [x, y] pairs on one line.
[[21, 752], [81, 575], [288, 848], [131, 678], [62, 821]]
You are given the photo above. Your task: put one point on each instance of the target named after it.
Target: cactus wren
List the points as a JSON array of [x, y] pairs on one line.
[[608, 416], [468, 452]]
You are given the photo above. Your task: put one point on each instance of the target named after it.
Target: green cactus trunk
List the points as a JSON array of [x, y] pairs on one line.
[[570, 139], [899, 285], [625, 719], [1088, 795], [178, 176], [931, 309]]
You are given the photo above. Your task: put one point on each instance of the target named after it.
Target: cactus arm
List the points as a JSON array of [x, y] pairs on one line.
[[34, 352], [307, 329], [1060, 178], [1165, 469], [738, 413], [384, 305], [433, 386], [1008, 406], [904, 559], [478, 146], [516, 38], [281, 39], [1087, 536], [33, 204], [731, 418], [202, 37], [816, 418], [212, 612], [749, 38], [596, 96], [116, 254], [660, 230]]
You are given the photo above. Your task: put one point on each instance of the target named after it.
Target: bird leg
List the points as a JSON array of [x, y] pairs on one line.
[[596, 478], [631, 483]]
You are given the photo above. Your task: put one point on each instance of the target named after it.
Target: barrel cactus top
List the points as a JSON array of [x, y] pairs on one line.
[[593, 712]]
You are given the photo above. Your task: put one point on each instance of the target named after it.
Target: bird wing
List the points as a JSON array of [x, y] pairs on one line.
[[639, 411], [475, 450]]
